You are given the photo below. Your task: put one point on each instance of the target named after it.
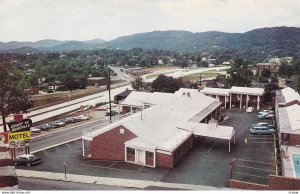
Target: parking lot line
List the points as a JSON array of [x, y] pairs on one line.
[[254, 161], [255, 168], [212, 146], [251, 175], [141, 168], [262, 142], [259, 138], [111, 164], [107, 168]]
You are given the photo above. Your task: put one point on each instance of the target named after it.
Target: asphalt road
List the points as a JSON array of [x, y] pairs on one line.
[[41, 184]]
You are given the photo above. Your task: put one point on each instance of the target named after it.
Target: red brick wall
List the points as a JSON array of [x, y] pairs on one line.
[[149, 162], [164, 160], [292, 140], [245, 185], [110, 145], [275, 183], [292, 103], [130, 158], [182, 150]]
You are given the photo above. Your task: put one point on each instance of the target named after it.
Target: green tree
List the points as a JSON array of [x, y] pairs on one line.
[[296, 84], [265, 73], [240, 74], [166, 84], [13, 97], [138, 84]]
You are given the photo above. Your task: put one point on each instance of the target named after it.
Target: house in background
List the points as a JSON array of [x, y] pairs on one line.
[[97, 81], [258, 68]]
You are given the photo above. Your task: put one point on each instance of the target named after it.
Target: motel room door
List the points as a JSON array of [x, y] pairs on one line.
[[141, 157]]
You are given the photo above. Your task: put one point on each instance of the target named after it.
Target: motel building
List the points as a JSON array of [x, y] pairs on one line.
[[161, 132], [236, 97]]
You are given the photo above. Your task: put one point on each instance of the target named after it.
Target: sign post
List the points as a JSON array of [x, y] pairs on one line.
[[231, 167], [65, 167]]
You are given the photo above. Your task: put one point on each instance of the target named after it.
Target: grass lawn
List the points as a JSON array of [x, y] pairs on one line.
[[204, 75]]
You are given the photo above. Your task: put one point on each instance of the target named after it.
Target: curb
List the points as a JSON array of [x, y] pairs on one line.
[[128, 183]]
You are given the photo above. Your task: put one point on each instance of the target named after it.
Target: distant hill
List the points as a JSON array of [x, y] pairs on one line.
[[277, 41]]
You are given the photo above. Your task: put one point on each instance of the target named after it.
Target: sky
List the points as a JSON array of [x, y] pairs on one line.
[[32, 20]]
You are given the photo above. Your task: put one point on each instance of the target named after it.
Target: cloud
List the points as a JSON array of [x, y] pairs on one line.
[[81, 20]]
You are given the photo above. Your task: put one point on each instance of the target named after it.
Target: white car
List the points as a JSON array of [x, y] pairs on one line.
[[83, 117], [35, 130], [250, 109], [266, 112]]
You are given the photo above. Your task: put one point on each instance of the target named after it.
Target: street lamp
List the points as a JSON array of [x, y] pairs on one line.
[[109, 95]]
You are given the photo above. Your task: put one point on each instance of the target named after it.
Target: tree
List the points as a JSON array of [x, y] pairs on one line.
[[240, 74], [166, 84], [138, 84], [266, 73], [296, 84], [285, 69], [13, 97]]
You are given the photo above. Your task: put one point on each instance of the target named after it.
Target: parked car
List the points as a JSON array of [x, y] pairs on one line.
[[35, 130], [83, 117], [266, 112], [58, 123], [45, 127], [262, 130], [28, 160], [265, 116], [250, 109], [69, 120], [262, 125]]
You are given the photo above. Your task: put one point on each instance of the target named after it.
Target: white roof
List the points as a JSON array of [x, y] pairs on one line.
[[136, 98], [246, 90], [184, 91], [158, 126], [210, 130], [216, 91], [290, 94], [289, 120]]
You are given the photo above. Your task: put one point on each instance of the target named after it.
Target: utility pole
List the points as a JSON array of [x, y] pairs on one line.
[[108, 87]]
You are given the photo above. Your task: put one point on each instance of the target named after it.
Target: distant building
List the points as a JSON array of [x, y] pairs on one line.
[[97, 81], [273, 67]]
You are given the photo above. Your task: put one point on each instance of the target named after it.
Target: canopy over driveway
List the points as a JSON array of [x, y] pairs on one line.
[[212, 130]]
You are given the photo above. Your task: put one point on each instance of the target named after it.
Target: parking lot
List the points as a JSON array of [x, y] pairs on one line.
[[206, 164]]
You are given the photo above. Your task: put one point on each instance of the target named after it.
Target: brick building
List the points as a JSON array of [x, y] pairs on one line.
[[237, 97], [287, 108], [161, 134]]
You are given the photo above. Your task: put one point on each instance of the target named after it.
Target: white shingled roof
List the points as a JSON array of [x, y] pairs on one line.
[[184, 91], [289, 120], [290, 95], [136, 98], [216, 91], [246, 90], [158, 126]]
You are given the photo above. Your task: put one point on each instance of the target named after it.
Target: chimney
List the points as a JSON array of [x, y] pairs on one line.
[[188, 94], [183, 93]]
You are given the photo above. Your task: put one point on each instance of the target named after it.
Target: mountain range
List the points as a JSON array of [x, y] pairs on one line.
[[270, 41]]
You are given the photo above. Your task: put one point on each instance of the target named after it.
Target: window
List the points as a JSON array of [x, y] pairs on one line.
[[149, 155], [121, 130], [130, 151]]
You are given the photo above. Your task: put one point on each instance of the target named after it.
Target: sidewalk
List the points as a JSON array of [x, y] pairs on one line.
[[141, 184]]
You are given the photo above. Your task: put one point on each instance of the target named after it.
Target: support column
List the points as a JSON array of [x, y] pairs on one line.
[[230, 101], [229, 146], [131, 109], [258, 99], [225, 101], [247, 100], [125, 154], [83, 150], [234, 138], [241, 101], [154, 158]]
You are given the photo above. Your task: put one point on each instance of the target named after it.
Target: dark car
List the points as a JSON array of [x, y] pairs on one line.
[[45, 127], [69, 120], [28, 160]]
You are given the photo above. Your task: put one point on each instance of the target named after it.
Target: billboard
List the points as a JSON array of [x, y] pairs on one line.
[[24, 125], [19, 136]]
